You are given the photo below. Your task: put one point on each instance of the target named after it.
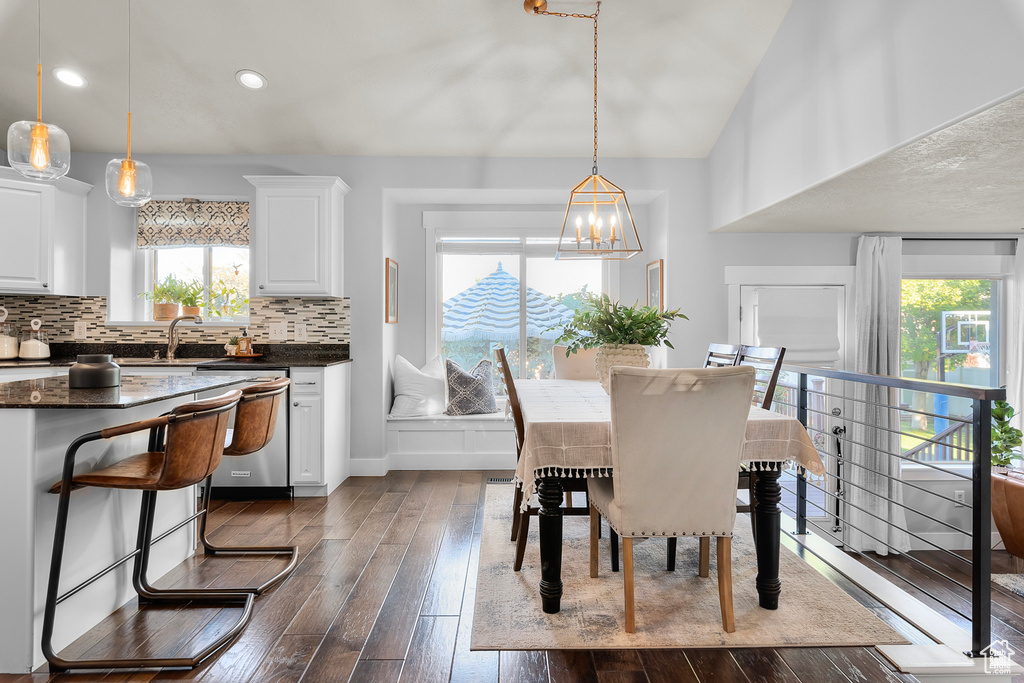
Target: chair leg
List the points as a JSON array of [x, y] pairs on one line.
[[210, 549], [753, 504], [517, 501], [614, 537], [522, 535], [598, 524], [595, 528], [627, 583], [671, 564], [704, 557], [724, 558]]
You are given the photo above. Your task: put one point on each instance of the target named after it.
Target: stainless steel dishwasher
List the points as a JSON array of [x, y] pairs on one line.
[[263, 474]]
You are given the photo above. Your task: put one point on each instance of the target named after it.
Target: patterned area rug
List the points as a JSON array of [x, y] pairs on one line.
[[1011, 582], [674, 610]]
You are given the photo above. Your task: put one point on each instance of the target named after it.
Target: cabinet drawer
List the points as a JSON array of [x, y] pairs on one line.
[[307, 381]]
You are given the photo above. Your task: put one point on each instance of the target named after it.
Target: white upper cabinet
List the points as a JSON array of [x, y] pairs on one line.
[[297, 236], [42, 235]]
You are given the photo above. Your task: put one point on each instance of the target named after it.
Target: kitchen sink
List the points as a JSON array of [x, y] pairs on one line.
[[127, 362]]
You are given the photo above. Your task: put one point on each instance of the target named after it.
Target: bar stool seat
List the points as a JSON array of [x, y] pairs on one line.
[[255, 420], [192, 440]]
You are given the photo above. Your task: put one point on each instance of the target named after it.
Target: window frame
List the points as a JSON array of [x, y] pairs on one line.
[[146, 264], [518, 226]]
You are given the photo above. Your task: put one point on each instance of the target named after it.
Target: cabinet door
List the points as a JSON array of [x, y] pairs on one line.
[[306, 451], [292, 242], [27, 211]]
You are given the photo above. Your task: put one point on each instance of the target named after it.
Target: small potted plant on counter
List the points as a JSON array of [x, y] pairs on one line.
[[232, 346], [192, 298], [619, 333], [166, 296]]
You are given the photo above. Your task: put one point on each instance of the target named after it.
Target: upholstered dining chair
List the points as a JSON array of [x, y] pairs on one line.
[[521, 518], [580, 365], [677, 437]]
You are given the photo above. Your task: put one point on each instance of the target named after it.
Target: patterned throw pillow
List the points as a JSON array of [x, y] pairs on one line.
[[470, 393]]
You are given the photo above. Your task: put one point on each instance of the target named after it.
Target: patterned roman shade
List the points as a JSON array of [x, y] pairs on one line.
[[191, 223]]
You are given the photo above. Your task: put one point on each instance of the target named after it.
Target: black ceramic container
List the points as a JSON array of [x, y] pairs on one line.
[[94, 371]]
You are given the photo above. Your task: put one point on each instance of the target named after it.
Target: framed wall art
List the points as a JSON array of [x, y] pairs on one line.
[[390, 291], [655, 285]]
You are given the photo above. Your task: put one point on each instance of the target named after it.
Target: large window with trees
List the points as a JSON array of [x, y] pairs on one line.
[[509, 292], [949, 333]]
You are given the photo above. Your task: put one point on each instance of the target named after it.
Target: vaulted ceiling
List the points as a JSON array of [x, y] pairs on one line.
[[474, 78]]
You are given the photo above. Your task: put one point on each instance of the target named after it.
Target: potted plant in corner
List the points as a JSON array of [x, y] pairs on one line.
[[166, 296], [619, 333], [1007, 485], [192, 298]]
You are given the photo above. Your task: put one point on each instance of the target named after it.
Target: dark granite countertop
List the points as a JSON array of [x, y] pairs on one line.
[[274, 356], [53, 392]]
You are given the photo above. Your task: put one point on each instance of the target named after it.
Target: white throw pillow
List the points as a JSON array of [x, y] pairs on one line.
[[418, 392]]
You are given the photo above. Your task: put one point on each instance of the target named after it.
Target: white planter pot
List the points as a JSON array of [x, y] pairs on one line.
[[608, 355]]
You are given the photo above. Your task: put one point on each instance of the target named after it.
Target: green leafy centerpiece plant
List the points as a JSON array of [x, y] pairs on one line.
[[618, 332]]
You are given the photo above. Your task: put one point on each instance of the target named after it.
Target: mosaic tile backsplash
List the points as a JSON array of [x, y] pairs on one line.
[[327, 320]]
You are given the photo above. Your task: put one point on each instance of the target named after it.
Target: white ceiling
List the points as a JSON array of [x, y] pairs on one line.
[[474, 78], [966, 177]]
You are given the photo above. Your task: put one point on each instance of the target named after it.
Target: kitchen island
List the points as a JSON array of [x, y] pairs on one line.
[[39, 418]]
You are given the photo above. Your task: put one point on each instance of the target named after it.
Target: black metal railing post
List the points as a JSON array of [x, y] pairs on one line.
[[981, 527], [801, 479]]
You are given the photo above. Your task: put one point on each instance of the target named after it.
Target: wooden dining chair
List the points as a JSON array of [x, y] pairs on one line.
[[721, 355], [677, 439], [520, 517]]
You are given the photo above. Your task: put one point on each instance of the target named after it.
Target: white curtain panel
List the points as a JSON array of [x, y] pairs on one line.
[[1015, 336], [876, 520]]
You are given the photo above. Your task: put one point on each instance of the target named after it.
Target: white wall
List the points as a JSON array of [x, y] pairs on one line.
[[843, 82]]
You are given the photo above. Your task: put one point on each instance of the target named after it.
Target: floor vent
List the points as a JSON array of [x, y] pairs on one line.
[[499, 480]]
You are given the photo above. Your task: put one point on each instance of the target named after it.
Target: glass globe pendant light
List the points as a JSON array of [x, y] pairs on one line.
[[595, 204], [37, 150], [129, 182]]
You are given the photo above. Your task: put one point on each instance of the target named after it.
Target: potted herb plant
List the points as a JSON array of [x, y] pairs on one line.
[[192, 298], [166, 296], [618, 332], [232, 346]]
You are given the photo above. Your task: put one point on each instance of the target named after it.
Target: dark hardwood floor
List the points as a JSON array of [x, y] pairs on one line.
[[384, 592]]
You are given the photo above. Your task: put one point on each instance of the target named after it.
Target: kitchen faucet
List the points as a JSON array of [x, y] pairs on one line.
[[172, 337]]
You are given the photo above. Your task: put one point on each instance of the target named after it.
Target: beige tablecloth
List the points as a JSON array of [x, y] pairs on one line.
[[568, 434]]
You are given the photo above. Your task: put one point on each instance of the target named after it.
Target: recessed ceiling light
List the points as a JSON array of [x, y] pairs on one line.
[[69, 77], [251, 79]]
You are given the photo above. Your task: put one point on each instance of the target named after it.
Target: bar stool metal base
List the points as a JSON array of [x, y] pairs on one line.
[[210, 549]]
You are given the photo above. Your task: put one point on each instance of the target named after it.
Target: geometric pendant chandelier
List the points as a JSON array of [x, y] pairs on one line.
[[597, 222], [37, 150], [129, 182]]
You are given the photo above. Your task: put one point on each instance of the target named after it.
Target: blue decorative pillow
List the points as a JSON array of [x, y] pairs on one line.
[[470, 393]]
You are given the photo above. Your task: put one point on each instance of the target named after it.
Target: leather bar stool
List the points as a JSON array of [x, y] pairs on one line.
[[185, 446], [255, 419]]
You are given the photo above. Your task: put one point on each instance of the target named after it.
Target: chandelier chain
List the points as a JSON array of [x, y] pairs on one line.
[[594, 18]]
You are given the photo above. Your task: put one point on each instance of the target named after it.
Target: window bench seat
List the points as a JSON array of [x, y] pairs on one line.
[[451, 442]]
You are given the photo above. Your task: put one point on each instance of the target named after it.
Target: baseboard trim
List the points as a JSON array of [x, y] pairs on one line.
[[452, 461], [369, 467]]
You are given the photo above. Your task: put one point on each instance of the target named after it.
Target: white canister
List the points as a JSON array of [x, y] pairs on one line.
[[33, 342], [8, 342]]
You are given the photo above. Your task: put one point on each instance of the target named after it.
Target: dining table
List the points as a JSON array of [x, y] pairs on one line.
[[568, 434]]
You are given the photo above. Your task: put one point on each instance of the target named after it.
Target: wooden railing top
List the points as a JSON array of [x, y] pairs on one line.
[[926, 385]]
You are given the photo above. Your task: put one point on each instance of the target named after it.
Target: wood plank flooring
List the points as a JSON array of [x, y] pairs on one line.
[[384, 592]]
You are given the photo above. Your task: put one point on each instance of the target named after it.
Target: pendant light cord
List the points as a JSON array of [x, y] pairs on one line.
[[129, 3], [593, 16], [39, 61]]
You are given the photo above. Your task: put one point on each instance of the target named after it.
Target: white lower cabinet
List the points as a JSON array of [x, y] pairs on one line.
[[318, 429]]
